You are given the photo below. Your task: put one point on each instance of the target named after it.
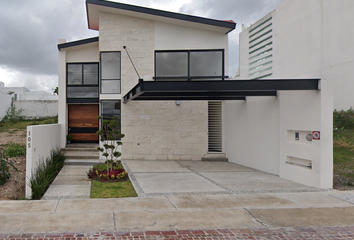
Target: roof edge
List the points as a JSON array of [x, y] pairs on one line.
[[77, 43], [219, 23]]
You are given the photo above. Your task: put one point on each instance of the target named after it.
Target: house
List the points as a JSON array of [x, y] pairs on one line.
[[163, 75], [303, 39]]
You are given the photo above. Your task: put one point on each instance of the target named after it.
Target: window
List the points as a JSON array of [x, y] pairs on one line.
[[82, 82], [110, 72], [189, 65], [111, 108]]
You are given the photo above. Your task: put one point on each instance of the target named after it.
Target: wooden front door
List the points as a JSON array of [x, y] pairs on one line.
[[83, 123]]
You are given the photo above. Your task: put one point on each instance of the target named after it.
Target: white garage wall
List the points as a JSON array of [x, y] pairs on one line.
[[260, 133]]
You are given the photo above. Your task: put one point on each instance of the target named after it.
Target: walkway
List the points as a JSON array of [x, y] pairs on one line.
[[169, 213]]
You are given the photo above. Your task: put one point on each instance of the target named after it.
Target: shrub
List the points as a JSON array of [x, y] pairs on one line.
[[45, 173], [343, 120], [111, 137], [4, 168], [15, 150]]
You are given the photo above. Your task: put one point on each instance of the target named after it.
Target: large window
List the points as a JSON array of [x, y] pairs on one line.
[[189, 65], [111, 108], [110, 72], [82, 82]]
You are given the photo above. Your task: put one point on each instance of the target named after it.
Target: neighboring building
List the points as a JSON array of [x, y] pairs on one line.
[[303, 39], [35, 104], [185, 109]]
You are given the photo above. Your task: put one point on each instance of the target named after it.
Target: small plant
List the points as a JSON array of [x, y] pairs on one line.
[[69, 137], [12, 115], [4, 168], [15, 150], [45, 173], [111, 140], [98, 172]]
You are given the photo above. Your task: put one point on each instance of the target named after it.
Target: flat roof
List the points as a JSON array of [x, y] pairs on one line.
[[215, 90], [93, 7], [77, 43]]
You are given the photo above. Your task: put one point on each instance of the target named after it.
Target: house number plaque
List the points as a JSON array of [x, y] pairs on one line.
[[29, 139]]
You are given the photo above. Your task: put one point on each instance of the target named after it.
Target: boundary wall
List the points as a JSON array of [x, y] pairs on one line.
[[40, 141]]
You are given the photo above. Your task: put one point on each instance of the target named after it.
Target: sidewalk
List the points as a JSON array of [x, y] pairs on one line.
[[170, 213]]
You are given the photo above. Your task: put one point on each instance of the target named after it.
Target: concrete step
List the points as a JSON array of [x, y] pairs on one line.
[[82, 162], [82, 155], [215, 157], [81, 145], [79, 149]]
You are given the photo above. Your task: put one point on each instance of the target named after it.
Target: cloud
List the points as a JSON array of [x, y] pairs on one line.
[[30, 31]]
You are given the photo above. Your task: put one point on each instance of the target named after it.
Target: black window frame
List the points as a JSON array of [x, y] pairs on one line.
[[110, 116], [189, 77], [82, 100], [115, 79]]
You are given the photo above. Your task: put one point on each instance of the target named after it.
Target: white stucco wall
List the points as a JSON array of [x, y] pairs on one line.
[[5, 100], [312, 39], [37, 108], [261, 134], [41, 140]]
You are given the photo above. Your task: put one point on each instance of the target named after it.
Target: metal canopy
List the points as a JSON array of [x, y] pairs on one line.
[[215, 90]]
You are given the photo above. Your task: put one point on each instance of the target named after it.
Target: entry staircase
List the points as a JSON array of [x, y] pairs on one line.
[[81, 154]]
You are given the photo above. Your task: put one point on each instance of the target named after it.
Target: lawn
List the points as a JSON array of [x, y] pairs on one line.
[[112, 189], [343, 159]]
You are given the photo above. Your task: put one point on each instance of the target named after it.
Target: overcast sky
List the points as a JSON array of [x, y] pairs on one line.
[[30, 29]]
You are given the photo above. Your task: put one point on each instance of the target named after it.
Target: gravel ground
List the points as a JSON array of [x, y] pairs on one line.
[[14, 188]]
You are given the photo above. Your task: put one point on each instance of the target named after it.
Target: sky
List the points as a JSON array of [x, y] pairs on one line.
[[29, 32]]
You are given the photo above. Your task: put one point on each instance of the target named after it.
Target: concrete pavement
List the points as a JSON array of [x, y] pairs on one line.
[[166, 213], [180, 196]]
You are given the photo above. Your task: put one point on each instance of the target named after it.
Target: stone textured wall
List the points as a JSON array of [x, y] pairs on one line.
[[153, 129]]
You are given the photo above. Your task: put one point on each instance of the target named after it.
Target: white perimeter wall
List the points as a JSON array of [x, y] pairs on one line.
[[5, 100], [261, 134], [41, 140], [37, 109]]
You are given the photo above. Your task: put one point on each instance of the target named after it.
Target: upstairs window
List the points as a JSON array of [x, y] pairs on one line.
[[110, 72], [82, 82], [189, 65]]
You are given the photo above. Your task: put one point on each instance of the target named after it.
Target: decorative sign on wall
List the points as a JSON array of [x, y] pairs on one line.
[[316, 135]]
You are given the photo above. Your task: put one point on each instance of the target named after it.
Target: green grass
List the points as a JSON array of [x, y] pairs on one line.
[[22, 124], [343, 159], [112, 189], [15, 150]]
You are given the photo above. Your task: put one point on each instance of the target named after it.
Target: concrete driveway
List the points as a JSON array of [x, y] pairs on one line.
[[158, 178]]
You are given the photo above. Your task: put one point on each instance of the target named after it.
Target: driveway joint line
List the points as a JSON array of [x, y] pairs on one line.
[[208, 179], [171, 202], [258, 221], [114, 221], [56, 207]]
